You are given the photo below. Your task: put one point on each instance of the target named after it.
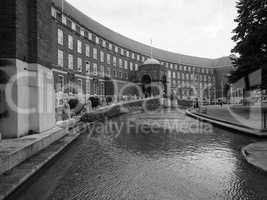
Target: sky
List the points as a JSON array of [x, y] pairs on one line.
[[193, 27]]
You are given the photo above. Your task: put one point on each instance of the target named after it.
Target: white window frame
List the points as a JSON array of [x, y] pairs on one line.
[[60, 37], [60, 60], [80, 86], [88, 87], [70, 42], [95, 69], [87, 50], [79, 64], [114, 61], [61, 89], [73, 26], [88, 67], [96, 39], [64, 20], [95, 52], [90, 35], [79, 46], [70, 61], [108, 59], [125, 64], [102, 56]]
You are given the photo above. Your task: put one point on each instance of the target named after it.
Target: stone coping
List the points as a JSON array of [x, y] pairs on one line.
[[15, 151], [256, 154], [228, 124]]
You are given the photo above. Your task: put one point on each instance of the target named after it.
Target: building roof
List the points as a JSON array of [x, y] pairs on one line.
[[138, 47], [151, 61]]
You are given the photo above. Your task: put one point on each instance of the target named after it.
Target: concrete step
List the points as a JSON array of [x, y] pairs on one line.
[[10, 182], [15, 151]]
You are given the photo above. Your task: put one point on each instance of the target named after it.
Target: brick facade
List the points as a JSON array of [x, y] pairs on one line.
[[30, 33]]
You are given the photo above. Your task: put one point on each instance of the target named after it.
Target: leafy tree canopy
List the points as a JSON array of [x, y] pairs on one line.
[[250, 36]]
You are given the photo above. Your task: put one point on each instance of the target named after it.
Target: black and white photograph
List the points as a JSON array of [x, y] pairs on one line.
[[133, 99]]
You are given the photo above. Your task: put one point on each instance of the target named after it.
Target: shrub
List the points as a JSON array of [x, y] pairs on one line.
[[73, 103]]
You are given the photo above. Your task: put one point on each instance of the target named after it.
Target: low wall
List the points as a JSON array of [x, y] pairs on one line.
[[122, 108]]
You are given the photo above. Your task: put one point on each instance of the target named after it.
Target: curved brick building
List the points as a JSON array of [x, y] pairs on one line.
[[89, 49], [64, 46]]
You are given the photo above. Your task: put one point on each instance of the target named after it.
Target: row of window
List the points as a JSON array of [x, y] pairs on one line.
[[105, 44], [110, 60], [190, 76], [97, 88], [90, 68]]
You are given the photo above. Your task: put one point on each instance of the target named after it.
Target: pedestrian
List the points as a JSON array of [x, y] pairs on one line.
[[66, 110]]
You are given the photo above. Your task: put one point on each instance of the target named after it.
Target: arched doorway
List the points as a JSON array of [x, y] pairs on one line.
[[146, 85]]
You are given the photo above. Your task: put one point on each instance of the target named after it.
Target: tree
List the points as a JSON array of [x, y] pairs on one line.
[[250, 36]]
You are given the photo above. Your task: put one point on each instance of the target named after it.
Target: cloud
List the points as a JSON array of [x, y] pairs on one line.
[[194, 27]]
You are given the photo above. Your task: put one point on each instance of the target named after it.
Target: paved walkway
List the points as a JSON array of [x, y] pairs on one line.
[[256, 154], [237, 114]]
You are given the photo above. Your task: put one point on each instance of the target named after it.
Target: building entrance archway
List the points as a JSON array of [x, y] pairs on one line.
[[146, 85]]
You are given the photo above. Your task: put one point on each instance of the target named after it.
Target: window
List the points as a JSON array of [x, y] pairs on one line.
[[64, 20], [88, 67], [102, 71], [110, 46], [108, 59], [114, 61], [95, 69], [120, 63], [102, 55], [88, 87], [143, 58], [127, 53], [87, 50], [79, 46], [73, 26], [79, 64], [125, 64], [70, 42], [133, 55], [131, 66], [80, 86], [60, 83], [95, 53], [138, 57], [96, 40], [108, 72], [102, 88], [179, 75], [116, 49], [82, 32], [60, 37], [169, 74], [122, 51], [173, 74], [136, 67], [114, 73], [104, 44], [90, 36], [53, 12], [167, 65], [60, 58], [70, 61]]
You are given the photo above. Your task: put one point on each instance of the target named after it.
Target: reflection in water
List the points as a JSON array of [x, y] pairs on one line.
[[154, 166]]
